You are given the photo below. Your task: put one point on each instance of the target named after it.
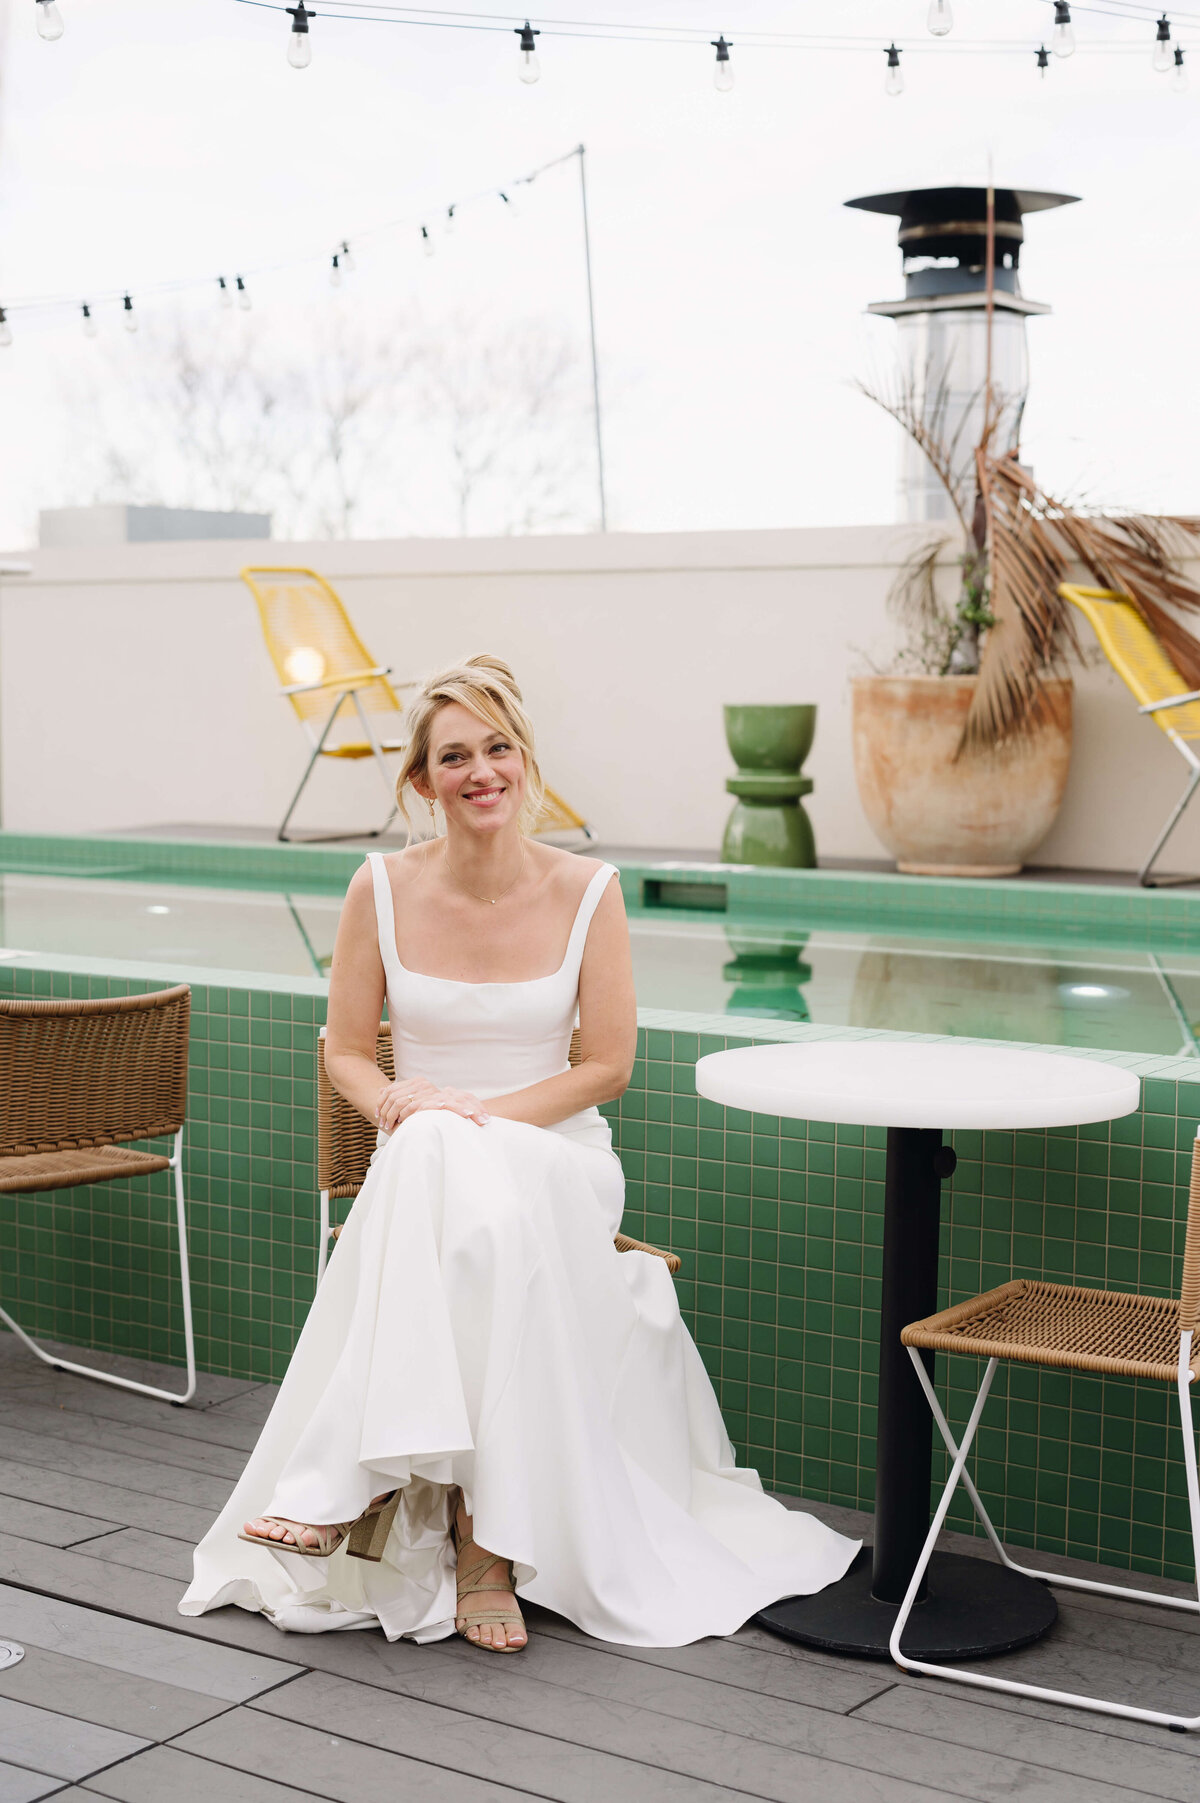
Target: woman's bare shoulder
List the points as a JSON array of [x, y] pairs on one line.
[[565, 871]]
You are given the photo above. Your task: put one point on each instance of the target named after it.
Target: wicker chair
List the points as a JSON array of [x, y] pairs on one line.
[[345, 1142], [78, 1077], [1064, 1328]]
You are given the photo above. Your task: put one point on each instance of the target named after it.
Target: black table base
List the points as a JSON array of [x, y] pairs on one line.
[[967, 1608], [971, 1610]]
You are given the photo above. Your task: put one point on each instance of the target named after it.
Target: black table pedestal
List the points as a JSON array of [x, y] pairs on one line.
[[968, 1608]]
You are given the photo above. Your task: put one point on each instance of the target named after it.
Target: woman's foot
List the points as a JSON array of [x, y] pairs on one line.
[[479, 1567], [296, 1533]]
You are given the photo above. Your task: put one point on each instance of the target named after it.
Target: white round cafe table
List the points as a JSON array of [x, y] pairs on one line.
[[916, 1089]]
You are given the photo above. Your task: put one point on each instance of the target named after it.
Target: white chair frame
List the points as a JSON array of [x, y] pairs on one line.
[[959, 1453], [346, 686], [1189, 756], [109, 1377]]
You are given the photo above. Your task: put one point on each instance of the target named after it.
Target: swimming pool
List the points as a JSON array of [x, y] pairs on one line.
[[1049, 984]]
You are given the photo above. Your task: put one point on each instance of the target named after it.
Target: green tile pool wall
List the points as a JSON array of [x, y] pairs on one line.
[[780, 1228], [780, 1225]]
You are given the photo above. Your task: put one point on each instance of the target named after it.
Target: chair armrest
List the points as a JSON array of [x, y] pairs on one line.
[[1157, 707], [353, 681]]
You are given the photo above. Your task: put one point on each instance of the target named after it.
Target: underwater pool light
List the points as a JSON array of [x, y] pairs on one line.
[[158, 908], [1094, 992]]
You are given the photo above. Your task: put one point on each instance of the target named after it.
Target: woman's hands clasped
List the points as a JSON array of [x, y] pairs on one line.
[[401, 1100]]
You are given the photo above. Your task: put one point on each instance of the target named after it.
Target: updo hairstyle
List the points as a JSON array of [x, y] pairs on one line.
[[487, 688]]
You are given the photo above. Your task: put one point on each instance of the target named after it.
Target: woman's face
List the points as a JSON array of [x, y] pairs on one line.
[[475, 773]]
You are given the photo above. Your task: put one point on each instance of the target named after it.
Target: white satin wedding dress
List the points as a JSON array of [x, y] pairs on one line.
[[476, 1326]]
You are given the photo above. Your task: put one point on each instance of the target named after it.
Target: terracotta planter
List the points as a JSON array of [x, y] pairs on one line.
[[980, 816]]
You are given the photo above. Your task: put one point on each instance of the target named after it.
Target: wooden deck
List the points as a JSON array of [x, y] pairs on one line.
[[103, 1493]]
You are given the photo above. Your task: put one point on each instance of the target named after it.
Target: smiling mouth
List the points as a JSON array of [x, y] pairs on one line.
[[484, 798]]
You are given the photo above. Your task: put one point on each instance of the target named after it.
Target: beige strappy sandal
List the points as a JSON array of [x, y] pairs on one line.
[[366, 1536], [470, 1579]]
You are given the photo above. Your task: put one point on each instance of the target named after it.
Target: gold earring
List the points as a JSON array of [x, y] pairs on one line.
[[432, 813]]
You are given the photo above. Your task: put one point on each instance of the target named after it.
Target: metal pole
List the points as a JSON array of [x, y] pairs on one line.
[[587, 252]]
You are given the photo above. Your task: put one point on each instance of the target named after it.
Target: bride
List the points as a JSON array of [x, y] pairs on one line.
[[487, 1399]]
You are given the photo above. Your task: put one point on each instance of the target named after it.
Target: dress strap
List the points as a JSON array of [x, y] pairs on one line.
[[589, 902], [385, 914]]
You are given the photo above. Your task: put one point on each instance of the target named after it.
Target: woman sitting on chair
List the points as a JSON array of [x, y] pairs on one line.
[[487, 1398]]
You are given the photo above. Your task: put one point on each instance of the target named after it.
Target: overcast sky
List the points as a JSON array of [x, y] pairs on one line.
[[161, 139]]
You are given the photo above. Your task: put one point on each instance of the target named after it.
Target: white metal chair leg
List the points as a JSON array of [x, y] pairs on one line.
[[381, 764], [128, 1383], [960, 1452], [1144, 877], [323, 1236], [317, 749]]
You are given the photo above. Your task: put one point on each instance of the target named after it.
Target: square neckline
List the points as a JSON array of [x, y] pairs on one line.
[[376, 858]]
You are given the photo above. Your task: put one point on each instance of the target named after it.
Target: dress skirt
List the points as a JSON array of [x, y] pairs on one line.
[[477, 1327]]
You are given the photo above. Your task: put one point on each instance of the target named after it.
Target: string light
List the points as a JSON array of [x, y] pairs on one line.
[[1063, 41], [1043, 61], [510, 201], [299, 49], [89, 324], [5, 331], [49, 21], [224, 298], [1163, 58], [129, 316], [427, 243], [347, 258], [894, 79], [335, 273], [1179, 79], [243, 295], [449, 227], [723, 71], [940, 19], [528, 69]]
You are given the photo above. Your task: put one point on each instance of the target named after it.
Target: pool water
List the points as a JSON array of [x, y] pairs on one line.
[[1050, 992]]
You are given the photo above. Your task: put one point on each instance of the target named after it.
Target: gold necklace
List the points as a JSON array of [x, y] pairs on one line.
[[491, 899]]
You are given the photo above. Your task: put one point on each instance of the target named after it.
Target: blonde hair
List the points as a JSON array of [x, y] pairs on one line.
[[487, 688]]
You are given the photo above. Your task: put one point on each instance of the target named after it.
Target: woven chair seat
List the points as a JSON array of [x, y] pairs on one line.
[[64, 1170], [1057, 1325]]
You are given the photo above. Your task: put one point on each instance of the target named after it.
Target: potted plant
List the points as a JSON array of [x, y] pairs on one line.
[[962, 750]]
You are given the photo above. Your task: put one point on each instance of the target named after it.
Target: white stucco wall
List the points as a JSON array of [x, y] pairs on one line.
[[135, 688]]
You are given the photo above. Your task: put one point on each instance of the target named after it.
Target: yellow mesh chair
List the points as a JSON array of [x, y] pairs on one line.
[[328, 675], [1146, 670], [333, 682]]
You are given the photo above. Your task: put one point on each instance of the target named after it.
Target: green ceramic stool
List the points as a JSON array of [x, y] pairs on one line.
[[769, 824]]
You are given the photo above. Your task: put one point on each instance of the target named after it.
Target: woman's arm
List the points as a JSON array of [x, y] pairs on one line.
[[607, 1028], [356, 990]]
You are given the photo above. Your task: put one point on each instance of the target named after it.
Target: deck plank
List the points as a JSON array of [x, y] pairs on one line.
[[164, 1772], [105, 1466], [83, 1428], [145, 1651], [109, 1697], [118, 1505], [60, 1745], [19, 1785], [50, 1526], [144, 1551]]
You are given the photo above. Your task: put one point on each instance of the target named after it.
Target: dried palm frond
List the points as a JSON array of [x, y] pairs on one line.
[[1032, 540]]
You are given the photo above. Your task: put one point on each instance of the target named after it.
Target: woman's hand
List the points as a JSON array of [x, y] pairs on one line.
[[401, 1100]]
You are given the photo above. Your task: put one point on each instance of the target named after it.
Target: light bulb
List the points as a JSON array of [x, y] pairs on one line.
[[1179, 77], [5, 331], [1043, 61], [304, 664], [723, 69], [1163, 58], [89, 324], [299, 48], [939, 19], [528, 69], [223, 295], [894, 80], [449, 226], [1063, 41], [510, 204], [335, 273], [427, 243], [49, 21], [347, 259], [129, 316], [243, 296]]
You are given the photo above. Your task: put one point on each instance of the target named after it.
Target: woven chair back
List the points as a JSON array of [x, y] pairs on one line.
[[78, 1074], [345, 1140], [1136, 656], [310, 639]]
